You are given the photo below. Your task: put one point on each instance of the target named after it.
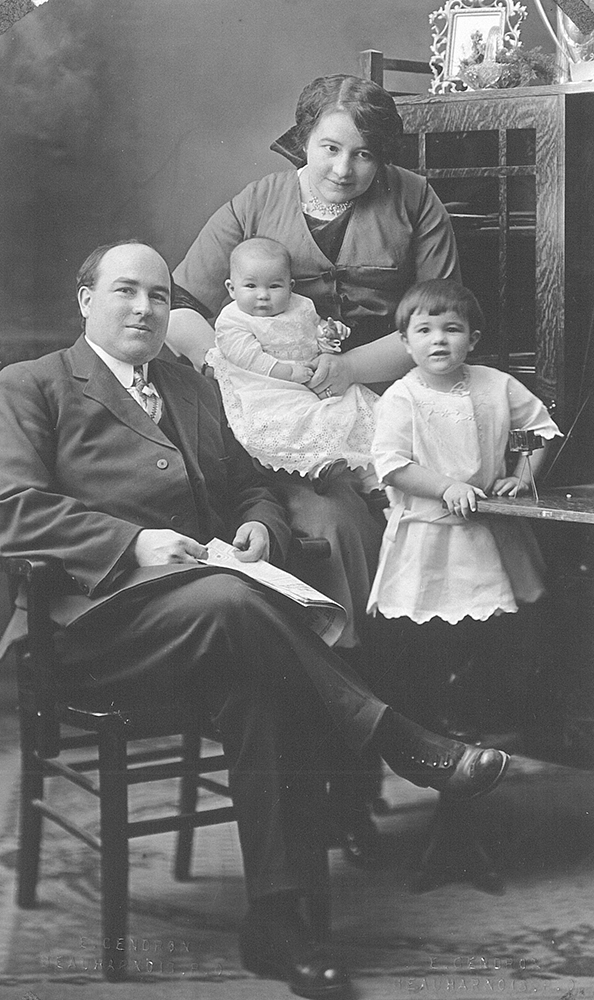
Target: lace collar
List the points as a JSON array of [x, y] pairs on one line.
[[461, 388]]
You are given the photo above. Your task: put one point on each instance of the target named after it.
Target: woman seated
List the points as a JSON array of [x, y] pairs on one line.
[[359, 231]]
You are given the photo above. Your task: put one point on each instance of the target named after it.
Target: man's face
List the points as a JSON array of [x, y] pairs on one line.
[[127, 310]]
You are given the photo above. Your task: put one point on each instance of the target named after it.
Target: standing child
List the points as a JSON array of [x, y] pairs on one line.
[[440, 443], [266, 339]]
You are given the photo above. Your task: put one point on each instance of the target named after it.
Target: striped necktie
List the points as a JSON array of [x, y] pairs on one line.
[[150, 399]]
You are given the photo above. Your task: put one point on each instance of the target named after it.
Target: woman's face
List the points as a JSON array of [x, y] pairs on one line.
[[340, 165]]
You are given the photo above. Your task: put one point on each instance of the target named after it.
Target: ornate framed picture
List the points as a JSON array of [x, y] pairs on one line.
[[461, 27]]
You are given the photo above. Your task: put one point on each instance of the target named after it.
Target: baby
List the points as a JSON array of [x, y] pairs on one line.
[[266, 340]]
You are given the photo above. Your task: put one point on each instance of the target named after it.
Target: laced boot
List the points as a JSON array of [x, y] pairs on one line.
[[458, 770]]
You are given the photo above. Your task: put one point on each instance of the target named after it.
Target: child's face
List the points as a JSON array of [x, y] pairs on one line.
[[439, 344], [261, 287]]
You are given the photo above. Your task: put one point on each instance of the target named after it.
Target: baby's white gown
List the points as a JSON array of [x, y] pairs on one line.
[[284, 424]]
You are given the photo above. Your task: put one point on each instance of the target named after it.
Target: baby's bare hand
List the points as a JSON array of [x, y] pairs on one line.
[[460, 499], [301, 373]]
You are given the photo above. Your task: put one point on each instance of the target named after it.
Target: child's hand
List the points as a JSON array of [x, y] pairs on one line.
[[460, 499], [301, 373], [333, 332], [511, 486]]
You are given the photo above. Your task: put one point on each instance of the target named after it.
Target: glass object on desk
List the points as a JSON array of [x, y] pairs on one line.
[[525, 443], [578, 49]]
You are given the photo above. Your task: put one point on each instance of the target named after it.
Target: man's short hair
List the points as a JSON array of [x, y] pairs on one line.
[[87, 272]]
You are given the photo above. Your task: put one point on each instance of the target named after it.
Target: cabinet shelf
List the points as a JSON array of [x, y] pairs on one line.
[[515, 170]]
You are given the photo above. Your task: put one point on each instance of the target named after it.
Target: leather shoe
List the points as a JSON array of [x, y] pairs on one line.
[[477, 772], [279, 948], [458, 770]]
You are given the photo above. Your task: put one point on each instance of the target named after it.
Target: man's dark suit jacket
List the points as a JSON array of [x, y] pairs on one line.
[[84, 469]]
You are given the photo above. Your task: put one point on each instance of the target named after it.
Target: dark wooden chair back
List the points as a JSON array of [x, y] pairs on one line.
[[373, 65]]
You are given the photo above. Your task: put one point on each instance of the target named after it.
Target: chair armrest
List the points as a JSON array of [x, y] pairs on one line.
[[310, 548], [26, 566]]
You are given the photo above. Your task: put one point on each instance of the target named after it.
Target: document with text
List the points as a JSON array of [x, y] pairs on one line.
[[319, 612]]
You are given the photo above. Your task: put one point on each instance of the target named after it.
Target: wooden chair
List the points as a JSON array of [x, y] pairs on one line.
[[373, 65], [100, 737]]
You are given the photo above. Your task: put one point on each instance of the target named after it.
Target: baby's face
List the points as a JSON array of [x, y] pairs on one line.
[[261, 287]]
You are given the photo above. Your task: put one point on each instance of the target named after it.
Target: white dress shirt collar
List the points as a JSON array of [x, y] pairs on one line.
[[123, 370]]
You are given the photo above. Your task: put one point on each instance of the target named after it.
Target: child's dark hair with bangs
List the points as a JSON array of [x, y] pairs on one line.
[[439, 295]]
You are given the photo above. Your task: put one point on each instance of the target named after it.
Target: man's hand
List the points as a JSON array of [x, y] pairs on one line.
[[160, 546], [332, 376], [252, 542]]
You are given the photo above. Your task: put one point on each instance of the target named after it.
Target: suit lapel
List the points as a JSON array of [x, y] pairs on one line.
[[103, 386], [181, 404]]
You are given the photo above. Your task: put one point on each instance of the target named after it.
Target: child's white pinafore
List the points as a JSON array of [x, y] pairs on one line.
[[433, 564]]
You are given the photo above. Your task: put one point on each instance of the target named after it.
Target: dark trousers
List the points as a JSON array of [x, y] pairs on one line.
[[288, 710]]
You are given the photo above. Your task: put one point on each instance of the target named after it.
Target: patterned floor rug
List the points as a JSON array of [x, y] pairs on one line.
[[536, 936]]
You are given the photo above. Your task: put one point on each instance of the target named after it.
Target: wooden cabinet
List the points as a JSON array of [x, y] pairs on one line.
[[516, 171]]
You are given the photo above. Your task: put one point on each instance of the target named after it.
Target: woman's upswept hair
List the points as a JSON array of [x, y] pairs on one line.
[[439, 295], [369, 105]]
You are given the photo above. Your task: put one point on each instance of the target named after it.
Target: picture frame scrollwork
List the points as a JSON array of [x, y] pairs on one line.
[[453, 26]]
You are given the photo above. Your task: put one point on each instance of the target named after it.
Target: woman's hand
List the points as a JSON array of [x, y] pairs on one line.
[[332, 375], [252, 542], [460, 499]]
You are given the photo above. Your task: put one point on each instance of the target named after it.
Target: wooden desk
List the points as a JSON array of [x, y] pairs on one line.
[[571, 503]]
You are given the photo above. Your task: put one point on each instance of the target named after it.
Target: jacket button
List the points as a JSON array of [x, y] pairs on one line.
[[162, 463]]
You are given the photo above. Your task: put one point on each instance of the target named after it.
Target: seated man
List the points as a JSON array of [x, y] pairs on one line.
[[120, 466]]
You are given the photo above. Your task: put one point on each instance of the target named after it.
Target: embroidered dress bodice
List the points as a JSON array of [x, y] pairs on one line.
[[433, 563]]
